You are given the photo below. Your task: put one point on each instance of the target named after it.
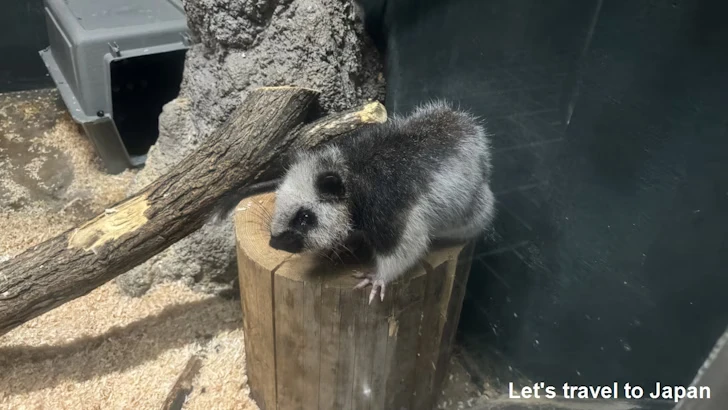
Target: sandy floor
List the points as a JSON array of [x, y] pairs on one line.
[[50, 176], [109, 351]]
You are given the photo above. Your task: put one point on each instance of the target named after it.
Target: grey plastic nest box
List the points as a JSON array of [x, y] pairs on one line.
[[87, 39]]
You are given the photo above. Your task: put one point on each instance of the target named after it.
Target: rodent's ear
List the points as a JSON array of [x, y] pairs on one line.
[[330, 184]]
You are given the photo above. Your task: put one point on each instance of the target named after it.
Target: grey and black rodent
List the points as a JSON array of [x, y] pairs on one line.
[[399, 185]]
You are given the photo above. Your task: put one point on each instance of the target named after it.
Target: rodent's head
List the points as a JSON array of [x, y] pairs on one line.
[[311, 209]]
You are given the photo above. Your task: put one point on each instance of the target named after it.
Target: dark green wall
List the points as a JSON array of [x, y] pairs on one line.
[[610, 251]]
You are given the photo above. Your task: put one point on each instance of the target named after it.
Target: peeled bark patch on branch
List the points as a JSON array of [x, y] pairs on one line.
[[248, 145], [113, 223]]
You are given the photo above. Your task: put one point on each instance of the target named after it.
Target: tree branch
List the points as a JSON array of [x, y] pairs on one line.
[[237, 154]]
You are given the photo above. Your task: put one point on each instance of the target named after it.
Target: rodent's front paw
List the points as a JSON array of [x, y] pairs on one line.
[[371, 279]]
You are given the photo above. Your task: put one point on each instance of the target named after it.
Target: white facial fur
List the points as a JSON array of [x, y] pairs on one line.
[[298, 190]]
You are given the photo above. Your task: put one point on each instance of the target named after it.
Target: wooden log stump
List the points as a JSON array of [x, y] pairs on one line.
[[314, 342]]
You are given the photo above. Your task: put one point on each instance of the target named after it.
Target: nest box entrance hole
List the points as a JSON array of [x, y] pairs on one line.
[[140, 87]]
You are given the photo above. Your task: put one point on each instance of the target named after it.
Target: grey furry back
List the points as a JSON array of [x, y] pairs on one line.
[[437, 154]]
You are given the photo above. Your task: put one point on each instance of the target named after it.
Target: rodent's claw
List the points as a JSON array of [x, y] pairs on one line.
[[377, 285]]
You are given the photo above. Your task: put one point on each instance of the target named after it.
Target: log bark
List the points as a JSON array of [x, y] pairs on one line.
[[314, 342], [183, 386], [248, 145]]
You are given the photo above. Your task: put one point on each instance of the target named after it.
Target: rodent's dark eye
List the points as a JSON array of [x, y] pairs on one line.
[[303, 218]]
